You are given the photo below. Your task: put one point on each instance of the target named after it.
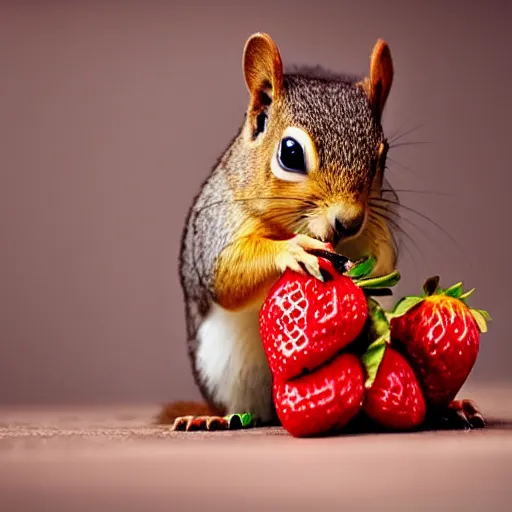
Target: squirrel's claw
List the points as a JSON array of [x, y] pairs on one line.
[[296, 257], [459, 415], [213, 423], [471, 413], [314, 269], [199, 423]]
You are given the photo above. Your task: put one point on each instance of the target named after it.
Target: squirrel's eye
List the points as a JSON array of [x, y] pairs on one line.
[[291, 155], [295, 156]]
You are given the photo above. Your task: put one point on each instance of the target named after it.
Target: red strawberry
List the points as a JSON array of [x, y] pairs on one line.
[[394, 398], [440, 336], [323, 401], [304, 322]]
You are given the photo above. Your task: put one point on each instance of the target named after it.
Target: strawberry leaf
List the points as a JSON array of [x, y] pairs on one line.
[[378, 321], [386, 281], [479, 319], [381, 334], [431, 285], [362, 268], [372, 358], [454, 291], [404, 305], [485, 314], [465, 295]]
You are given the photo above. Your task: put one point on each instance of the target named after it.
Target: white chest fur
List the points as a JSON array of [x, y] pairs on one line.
[[232, 363]]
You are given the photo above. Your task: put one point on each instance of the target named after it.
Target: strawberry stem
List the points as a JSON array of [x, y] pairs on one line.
[[431, 285]]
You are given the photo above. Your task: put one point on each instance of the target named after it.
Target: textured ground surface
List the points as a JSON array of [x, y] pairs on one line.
[[107, 458]]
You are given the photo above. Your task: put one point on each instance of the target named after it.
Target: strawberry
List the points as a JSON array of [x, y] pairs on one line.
[[323, 401], [440, 336], [304, 321], [304, 324], [308, 321], [394, 398]]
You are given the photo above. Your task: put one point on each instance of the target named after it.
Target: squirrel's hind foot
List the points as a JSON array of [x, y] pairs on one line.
[[213, 423], [459, 415]]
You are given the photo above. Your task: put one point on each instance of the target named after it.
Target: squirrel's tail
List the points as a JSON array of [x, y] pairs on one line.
[[174, 410]]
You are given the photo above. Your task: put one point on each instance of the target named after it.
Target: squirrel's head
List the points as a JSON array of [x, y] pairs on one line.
[[315, 143]]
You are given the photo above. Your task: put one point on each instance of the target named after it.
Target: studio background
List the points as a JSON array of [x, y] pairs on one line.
[[112, 114]]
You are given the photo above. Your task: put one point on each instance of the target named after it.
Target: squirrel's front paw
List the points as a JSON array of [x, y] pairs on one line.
[[295, 256]]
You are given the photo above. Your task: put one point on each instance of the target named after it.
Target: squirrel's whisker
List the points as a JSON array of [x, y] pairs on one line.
[[383, 200], [395, 226], [396, 136], [388, 216], [256, 198], [411, 223], [410, 143], [396, 162], [375, 221], [410, 191]]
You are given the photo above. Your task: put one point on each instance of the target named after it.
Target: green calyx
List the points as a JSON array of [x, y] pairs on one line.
[[431, 288], [380, 333], [360, 271]]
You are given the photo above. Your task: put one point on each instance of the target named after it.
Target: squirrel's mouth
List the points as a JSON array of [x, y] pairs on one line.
[[336, 230], [325, 233], [329, 236]]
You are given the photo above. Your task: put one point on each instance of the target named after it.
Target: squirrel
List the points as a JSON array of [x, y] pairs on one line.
[[298, 176]]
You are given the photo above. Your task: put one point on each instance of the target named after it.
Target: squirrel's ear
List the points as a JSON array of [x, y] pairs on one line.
[[378, 84], [263, 69]]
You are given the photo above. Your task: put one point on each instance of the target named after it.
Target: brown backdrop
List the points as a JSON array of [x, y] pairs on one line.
[[112, 114]]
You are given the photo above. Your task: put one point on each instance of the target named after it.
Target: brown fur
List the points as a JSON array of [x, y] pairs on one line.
[[263, 67], [378, 84]]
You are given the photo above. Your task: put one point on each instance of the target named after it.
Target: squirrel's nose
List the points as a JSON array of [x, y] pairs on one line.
[[345, 228]]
